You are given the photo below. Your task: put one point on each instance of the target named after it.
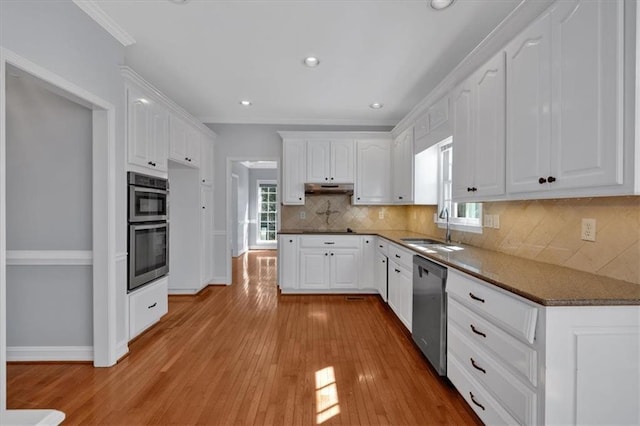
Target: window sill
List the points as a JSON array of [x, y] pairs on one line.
[[460, 227]]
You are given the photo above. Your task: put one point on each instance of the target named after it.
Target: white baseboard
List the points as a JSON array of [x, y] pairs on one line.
[[264, 247], [219, 280], [184, 291], [122, 349], [50, 353]]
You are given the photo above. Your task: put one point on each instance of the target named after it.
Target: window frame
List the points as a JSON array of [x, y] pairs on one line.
[[259, 239], [455, 223]]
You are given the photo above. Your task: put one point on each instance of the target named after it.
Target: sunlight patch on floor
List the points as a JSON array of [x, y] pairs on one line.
[[327, 404]]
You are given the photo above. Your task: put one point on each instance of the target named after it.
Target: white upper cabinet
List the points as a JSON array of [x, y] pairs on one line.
[[402, 167], [479, 133], [564, 100], [184, 145], [294, 160], [373, 172], [330, 161], [147, 131], [206, 169]]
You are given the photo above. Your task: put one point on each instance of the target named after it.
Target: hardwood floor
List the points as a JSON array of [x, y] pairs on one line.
[[244, 354]]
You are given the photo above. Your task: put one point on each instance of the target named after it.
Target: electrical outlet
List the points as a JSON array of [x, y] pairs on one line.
[[435, 218], [381, 214], [488, 221], [589, 229], [496, 221], [303, 215]]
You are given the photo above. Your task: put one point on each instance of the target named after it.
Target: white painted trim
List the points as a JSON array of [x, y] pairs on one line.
[[96, 13], [122, 257], [273, 246], [103, 206], [219, 232], [133, 77], [32, 417], [185, 291], [301, 121], [49, 257], [287, 134], [219, 281], [50, 353], [123, 348], [510, 26], [227, 198]]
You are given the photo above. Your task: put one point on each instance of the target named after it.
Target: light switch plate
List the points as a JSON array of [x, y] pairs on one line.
[[496, 221], [303, 215], [488, 221], [381, 214]]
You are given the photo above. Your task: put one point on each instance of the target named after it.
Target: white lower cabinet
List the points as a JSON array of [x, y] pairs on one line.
[[367, 269], [147, 306], [380, 271], [288, 261], [400, 283], [515, 361]]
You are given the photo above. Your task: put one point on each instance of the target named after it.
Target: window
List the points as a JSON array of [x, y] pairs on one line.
[[267, 211], [462, 216]]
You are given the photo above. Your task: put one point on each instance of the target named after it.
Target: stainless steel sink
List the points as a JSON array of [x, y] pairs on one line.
[[430, 245]]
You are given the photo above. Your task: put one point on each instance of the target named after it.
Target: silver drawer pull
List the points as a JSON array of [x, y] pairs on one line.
[[476, 331], [474, 297], [476, 402], [476, 366], [152, 306]]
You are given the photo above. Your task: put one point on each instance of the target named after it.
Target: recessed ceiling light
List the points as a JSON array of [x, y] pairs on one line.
[[246, 103], [376, 105], [440, 4], [311, 61]]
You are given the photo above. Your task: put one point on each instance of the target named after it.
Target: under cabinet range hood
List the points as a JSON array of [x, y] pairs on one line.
[[328, 188]]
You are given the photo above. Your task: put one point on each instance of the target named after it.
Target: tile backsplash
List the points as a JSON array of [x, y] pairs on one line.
[[543, 230]]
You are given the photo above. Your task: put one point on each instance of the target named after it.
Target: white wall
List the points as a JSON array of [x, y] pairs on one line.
[[248, 141], [242, 219], [61, 38], [254, 176]]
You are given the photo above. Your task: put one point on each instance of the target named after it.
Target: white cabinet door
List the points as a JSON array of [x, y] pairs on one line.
[[373, 176], [587, 87], [344, 265], [294, 160], [529, 106], [380, 271], [206, 166], [288, 261], [314, 269], [138, 129], [463, 140], [178, 139], [194, 144], [206, 227], [367, 274], [159, 143], [488, 161], [318, 161], [394, 287], [405, 290], [402, 167], [342, 161]]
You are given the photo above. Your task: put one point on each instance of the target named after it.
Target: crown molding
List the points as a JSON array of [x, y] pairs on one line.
[[129, 74], [91, 8], [510, 26], [301, 121], [287, 134]]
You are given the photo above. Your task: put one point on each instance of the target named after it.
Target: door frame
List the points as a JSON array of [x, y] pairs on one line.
[[103, 210], [230, 161]]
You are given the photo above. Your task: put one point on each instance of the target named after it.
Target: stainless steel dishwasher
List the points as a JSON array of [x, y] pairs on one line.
[[429, 321]]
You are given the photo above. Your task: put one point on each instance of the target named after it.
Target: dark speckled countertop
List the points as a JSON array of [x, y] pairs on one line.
[[543, 283]]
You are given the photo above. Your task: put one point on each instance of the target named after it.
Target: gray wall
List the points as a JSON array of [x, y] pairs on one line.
[[254, 176], [249, 141], [49, 169], [61, 38]]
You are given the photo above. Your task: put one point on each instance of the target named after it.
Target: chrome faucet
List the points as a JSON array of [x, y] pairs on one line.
[[444, 214]]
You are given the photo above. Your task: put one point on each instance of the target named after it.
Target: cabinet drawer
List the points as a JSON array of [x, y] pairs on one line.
[[382, 246], [147, 306], [330, 241], [485, 406], [515, 397], [401, 256], [519, 357], [506, 311]]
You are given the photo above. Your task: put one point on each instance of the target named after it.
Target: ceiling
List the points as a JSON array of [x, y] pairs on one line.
[[207, 55]]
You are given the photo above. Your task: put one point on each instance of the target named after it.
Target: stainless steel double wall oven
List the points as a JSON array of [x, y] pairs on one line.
[[148, 216]]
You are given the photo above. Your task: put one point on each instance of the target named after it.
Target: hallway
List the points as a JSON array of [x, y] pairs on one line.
[[244, 354]]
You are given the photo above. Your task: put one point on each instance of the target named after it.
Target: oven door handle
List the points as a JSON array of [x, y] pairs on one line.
[[150, 226], [152, 190]]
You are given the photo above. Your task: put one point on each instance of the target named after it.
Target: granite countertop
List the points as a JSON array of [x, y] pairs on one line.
[[543, 283]]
